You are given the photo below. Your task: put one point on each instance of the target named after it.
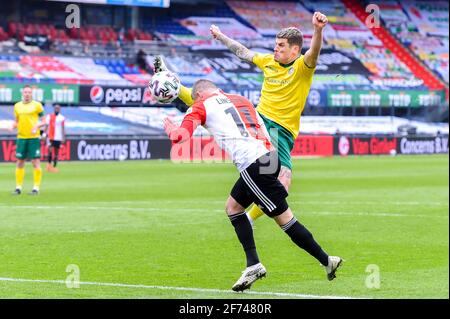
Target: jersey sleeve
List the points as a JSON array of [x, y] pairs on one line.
[[185, 95], [304, 70], [196, 116], [16, 113], [197, 113], [40, 109], [260, 59]]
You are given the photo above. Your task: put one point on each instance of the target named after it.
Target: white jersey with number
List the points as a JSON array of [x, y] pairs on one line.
[[55, 126], [235, 125]]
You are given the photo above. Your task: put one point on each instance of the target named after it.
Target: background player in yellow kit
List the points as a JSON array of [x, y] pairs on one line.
[[287, 80], [28, 121]]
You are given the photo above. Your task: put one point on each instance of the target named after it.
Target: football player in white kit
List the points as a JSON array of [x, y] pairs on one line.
[[240, 131], [56, 135]]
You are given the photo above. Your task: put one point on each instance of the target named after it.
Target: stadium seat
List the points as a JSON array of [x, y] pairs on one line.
[[119, 70], [394, 46]]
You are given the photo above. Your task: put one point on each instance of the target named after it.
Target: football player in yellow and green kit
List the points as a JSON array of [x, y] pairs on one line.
[[29, 119], [287, 79]]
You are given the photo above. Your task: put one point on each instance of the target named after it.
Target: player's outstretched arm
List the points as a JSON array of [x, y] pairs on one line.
[[237, 48], [319, 21], [186, 96]]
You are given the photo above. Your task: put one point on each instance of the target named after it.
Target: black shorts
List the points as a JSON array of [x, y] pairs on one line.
[[56, 144], [259, 184]]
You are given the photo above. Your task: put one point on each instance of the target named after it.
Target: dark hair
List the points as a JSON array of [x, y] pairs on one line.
[[293, 35], [201, 85], [26, 86]]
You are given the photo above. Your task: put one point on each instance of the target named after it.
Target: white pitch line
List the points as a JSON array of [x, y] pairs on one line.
[[296, 201], [366, 203], [202, 290], [138, 209], [369, 214], [156, 209]]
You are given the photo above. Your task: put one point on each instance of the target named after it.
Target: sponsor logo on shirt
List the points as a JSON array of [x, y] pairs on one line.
[[275, 81]]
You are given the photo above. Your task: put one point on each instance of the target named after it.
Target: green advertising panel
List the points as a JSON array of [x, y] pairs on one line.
[[54, 93], [388, 98]]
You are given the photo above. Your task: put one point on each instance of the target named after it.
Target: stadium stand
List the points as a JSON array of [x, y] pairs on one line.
[[393, 45], [420, 28], [397, 69], [153, 117], [86, 122]]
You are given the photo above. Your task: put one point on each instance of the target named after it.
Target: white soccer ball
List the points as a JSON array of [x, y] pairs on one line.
[[165, 86]]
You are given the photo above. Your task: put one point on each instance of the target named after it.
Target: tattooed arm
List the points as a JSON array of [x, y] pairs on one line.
[[238, 49]]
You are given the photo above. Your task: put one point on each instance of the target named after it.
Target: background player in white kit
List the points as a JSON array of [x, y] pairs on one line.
[[240, 131], [56, 134]]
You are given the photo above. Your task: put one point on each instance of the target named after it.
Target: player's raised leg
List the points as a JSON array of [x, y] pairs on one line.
[[303, 238], [271, 195]]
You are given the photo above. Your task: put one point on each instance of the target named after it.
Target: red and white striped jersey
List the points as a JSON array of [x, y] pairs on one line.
[[55, 126], [235, 125]]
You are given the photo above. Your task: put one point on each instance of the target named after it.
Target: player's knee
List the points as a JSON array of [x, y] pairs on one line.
[[232, 207], [36, 163], [284, 217]]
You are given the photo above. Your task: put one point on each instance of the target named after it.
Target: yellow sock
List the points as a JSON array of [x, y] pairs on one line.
[[255, 212], [37, 176], [20, 175]]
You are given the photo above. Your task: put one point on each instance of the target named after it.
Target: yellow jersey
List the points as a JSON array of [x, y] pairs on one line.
[[284, 91], [27, 116]]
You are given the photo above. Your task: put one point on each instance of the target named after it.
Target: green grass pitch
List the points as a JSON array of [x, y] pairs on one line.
[[160, 229]]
